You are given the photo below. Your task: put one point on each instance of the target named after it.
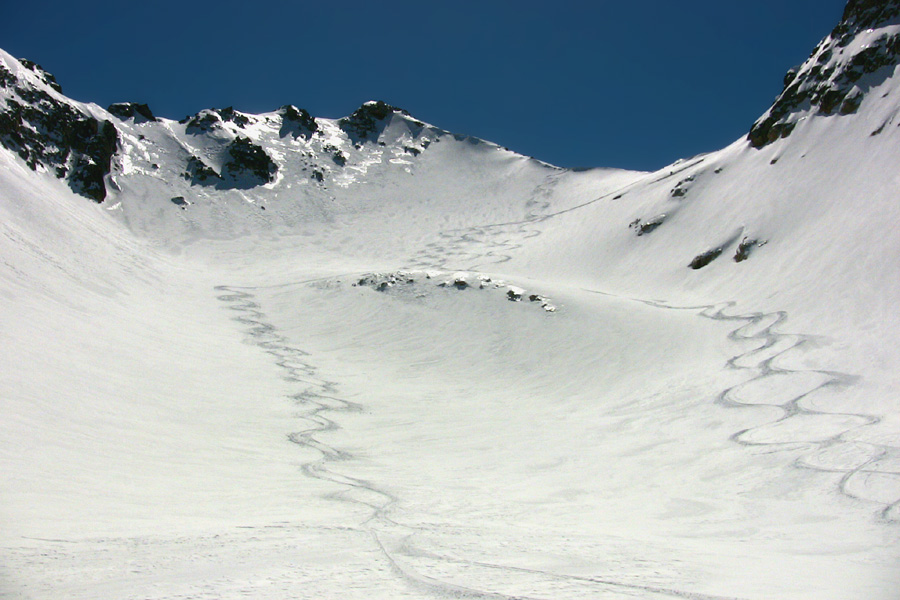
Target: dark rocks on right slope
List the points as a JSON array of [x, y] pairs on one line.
[[834, 80]]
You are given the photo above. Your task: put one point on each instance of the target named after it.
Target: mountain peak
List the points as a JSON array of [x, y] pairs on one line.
[[367, 121], [864, 14], [858, 55]]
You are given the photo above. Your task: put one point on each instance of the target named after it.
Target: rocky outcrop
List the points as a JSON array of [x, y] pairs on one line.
[[211, 118], [54, 134], [364, 123], [248, 165], [199, 173], [865, 14], [140, 113], [836, 77], [296, 121], [38, 70], [701, 260], [644, 227]]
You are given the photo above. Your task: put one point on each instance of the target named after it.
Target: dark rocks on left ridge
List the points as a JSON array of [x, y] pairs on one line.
[[49, 133]]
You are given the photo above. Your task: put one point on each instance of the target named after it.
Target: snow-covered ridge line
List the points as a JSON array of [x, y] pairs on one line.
[[92, 148]]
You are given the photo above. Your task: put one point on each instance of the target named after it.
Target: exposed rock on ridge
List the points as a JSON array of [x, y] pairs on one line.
[[363, 123], [855, 57], [141, 113], [45, 131]]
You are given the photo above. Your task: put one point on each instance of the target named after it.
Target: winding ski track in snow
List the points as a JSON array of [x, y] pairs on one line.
[[824, 444], [868, 470], [323, 404], [824, 448], [794, 392]]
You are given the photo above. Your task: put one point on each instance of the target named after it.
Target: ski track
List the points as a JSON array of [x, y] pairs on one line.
[[500, 240], [321, 397], [788, 390], [795, 405]]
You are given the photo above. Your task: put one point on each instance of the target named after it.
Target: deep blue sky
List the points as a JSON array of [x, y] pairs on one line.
[[624, 83]]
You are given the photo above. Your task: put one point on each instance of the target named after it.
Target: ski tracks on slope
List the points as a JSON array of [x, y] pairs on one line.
[[869, 471], [392, 538], [811, 419], [320, 398]]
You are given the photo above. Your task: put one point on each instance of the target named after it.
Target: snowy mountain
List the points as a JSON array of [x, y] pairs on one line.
[[282, 356]]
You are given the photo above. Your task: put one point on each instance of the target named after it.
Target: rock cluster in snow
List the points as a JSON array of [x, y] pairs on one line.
[[409, 280]]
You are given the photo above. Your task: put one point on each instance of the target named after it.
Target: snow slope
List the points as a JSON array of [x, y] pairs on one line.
[[441, 369]]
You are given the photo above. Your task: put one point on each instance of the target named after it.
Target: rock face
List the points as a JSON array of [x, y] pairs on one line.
[[248, 165], [199, 173], [40, 72], [858, 54], [141, 113], [207, 120], [53, 134], [363, 124], [296, 121]]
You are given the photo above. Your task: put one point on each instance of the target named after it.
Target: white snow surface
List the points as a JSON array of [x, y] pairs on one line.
[[224, 401]]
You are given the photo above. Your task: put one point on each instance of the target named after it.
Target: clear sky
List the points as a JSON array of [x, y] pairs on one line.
[[625, 83]]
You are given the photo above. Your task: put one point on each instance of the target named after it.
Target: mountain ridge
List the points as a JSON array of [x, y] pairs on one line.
[[830, 81]]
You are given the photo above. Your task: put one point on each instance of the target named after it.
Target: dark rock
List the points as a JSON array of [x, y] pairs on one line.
[[203, 122], [645, 227], [132, 110], [198, 172], [318, 176], [704, 259], [337, 156], [40, 72], [73, 145], [248, 165], [513, 296], [232, 116], [832, 82], [7, 79], [365, 122], [681, 188], [745, 248], [296, 121], [863, 14], [180, 202], [100, 141]]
